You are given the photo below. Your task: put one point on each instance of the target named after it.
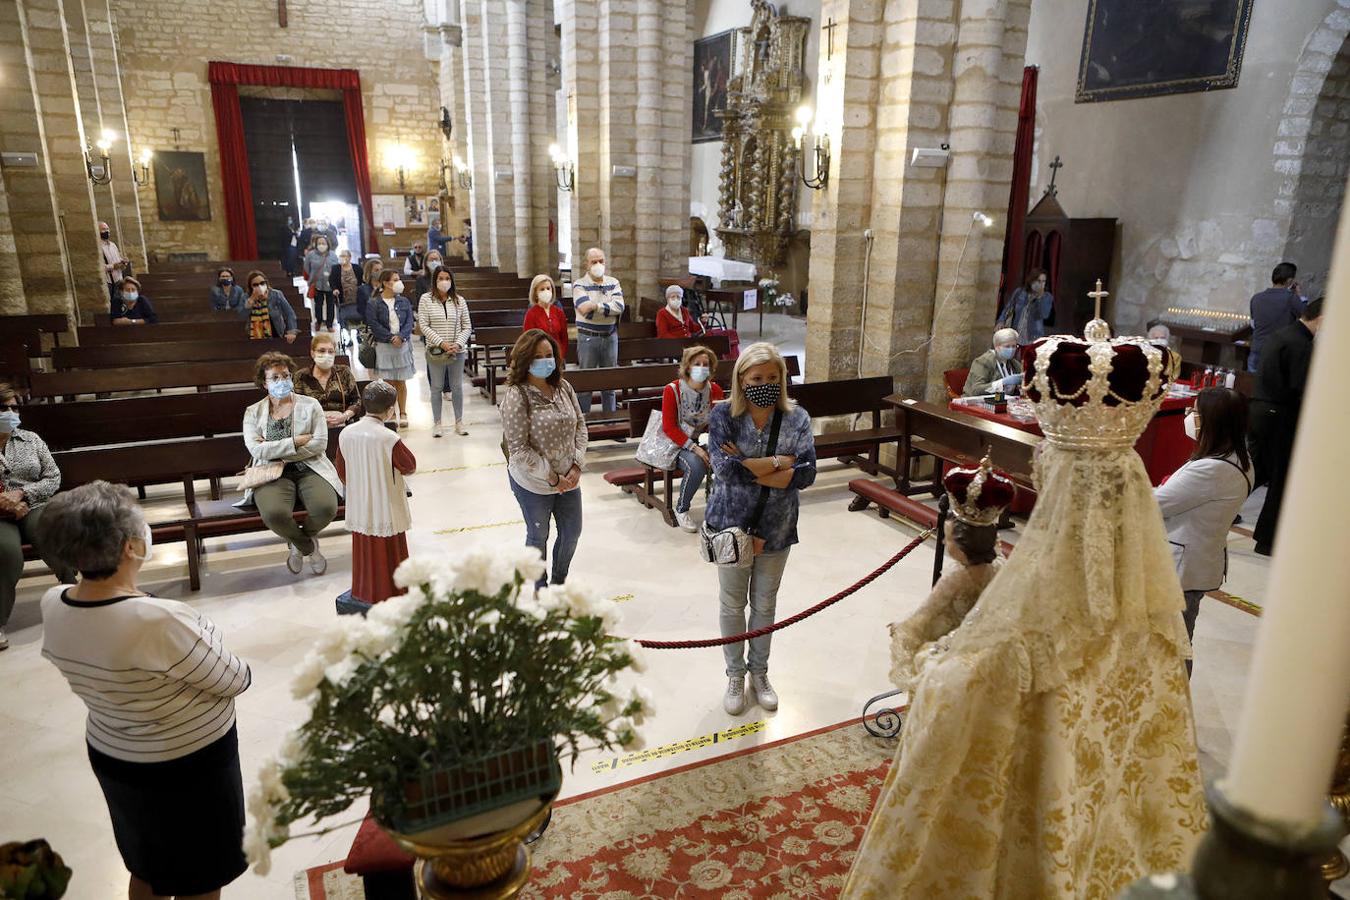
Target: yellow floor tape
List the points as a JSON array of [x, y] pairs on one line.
[[665, 750], [623, 598], [478, 527], [490, 465]]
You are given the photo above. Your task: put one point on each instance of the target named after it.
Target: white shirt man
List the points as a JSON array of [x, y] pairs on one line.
[[112, 258]]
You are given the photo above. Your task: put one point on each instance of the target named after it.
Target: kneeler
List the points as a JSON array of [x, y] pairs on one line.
[[386, 870]]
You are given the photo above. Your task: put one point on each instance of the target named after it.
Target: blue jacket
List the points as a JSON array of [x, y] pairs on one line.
[[234, 298], [377, 317], [279, 310]]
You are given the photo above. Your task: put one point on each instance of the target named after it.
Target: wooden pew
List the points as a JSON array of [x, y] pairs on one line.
[[494, 292], [231, 329], [202, 376], [27, 331], [157, 353], [824, 399], [93, 423], [303, 318]]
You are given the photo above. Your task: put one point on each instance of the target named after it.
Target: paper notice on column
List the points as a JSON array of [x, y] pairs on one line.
[[750, 299], [390, 211]]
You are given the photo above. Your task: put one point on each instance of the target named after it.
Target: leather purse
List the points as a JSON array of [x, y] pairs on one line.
[[735, 547], [255, 476]]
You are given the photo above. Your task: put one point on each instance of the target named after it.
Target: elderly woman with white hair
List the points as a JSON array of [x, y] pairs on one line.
[[996, 370], [673, 320], [160, 687]]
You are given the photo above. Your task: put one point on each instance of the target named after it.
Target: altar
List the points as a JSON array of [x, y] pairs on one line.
[[721, 269]]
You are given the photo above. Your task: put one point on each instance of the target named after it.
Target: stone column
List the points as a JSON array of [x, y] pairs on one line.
[[581, 80], [474, 147], [649, 221], [129, 230], [12, 299], [494, 83], [618, 142], [676, 59], [517, 53], [542, 48]]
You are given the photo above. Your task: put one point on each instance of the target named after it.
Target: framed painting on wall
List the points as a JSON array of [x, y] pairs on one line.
[[712, 70], [180, 186], [1155, 47]]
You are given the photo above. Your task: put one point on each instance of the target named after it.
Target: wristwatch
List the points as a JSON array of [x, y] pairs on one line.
[[777, 466]]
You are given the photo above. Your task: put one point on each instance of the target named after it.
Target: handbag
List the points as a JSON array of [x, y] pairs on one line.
[[735, 547], [365, 354], [656, 449], [258, 474]]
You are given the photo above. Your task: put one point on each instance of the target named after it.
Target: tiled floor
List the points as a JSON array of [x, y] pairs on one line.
[[824, 668]]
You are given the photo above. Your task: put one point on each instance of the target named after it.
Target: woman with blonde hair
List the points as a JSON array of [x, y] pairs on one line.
[[544, 436], [763, 453], [686, 404], [545, 313]]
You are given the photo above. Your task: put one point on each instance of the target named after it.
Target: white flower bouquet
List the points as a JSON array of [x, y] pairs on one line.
[[470, 662]]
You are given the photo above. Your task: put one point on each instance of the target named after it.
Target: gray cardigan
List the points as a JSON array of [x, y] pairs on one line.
[[1199, 502], [317, 266]]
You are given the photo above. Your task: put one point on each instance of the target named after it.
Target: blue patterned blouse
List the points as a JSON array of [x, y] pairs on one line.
[[734, 489]]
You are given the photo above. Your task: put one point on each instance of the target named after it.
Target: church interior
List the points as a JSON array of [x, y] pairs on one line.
[[1048, 246]]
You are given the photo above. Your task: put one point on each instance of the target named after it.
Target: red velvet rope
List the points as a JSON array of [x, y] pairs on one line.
[[770, 629]]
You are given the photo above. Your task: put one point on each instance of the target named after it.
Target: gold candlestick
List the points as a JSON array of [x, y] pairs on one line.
[[1337, 866]]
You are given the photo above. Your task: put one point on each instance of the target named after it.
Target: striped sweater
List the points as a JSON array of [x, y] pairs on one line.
[[444, 321], [154, 674], [608, 294]]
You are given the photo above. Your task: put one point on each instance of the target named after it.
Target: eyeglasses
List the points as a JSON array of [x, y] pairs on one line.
[[12, 406]]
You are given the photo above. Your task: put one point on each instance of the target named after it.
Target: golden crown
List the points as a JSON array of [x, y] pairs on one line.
[[979, 496], [1096, 392]]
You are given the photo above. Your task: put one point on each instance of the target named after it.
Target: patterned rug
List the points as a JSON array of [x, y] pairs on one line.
[[776, 822]]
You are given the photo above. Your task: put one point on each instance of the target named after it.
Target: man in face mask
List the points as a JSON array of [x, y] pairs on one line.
[[113, 261], [998, 369], [599, 305]]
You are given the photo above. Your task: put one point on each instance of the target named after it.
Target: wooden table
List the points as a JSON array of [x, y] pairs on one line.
[[715, 297], [959, 439]]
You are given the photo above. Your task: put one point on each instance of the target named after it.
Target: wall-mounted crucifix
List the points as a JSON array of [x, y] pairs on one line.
[[1055, 166], [829, 28]]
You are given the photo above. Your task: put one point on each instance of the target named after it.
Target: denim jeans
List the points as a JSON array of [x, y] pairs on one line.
[[595, 352], [446, 373], [756, 586], [537, 509], [695, 470]]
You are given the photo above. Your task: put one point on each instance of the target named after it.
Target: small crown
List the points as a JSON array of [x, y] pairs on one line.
[[979, 495], [1096, 393]]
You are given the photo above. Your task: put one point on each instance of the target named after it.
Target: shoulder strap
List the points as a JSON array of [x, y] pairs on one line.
[[752, 527]]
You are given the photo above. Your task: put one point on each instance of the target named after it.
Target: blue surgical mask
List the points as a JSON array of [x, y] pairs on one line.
[[9, 421], [1006, 352], [280, 389], [130, 296], [542, 368], [698, 373]]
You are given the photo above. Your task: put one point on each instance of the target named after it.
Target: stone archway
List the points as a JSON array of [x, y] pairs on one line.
[[1312, 150]]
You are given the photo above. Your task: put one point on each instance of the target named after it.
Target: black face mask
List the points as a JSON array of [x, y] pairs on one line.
[[763, 395], [226, 282], [105, 234]]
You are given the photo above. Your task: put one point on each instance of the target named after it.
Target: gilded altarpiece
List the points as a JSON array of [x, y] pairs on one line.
[[758, 179]]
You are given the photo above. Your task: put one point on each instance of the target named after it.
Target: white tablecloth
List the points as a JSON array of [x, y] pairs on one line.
[[720, 269]]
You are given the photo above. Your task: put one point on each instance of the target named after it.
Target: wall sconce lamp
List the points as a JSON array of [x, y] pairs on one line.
[[100, 173], [140, 173], [462, 174], [401, 160], [820, 175], [563, 169]]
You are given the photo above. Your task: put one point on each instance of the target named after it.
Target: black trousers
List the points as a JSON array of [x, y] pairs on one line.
[[1272, 444], [325, 308]]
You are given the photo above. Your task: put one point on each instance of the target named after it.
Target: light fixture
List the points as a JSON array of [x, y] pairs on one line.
[[100, 173], [400, 159], [563, 169], [820, 174], [462, 174], [141, 173], [983, 219]]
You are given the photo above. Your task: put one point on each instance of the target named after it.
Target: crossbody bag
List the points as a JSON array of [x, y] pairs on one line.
[[735, 547]]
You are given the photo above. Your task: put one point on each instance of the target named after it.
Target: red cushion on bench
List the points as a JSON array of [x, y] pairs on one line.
[[627, 476], [607, 431], [895, 501], [375, 851]]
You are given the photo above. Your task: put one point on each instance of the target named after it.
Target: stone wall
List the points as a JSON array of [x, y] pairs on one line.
[[165, 50], [1205, 185]]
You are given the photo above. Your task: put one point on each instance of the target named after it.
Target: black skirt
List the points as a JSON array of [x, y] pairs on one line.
[[179, 824]]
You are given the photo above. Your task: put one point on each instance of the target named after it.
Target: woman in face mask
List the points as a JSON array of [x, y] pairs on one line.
[[425, 282], [673, 320], [763, 454], [998, 369], [131, 307], [333, 385], [346, 281], [443, 317], [545, 313], [319, 264], [544, 438], [1200, 500], [161, 722], [686, 404], [390, 317], [268, 312], [370, 284], [28, 479], [290, 428], [225, 293]]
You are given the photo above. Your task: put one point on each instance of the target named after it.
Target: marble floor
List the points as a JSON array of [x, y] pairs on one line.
[[824, 668]]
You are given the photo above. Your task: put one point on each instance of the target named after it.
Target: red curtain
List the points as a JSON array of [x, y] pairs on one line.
[[225, 78], [1018, 194]]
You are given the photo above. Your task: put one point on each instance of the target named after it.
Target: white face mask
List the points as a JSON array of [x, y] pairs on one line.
[[1191, 424], [546, 297], [324, 360], [148, 537], [674, 304], [398, 287], [597, 270]]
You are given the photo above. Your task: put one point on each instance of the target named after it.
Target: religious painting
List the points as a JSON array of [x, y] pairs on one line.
[[1147, 48], [414, 210], [712, 70], [180, 186]]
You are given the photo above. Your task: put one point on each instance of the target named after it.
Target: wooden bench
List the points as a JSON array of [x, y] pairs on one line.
[[953, 437], [202, 376], [127, 420], [205, 314], [494, 292], [116, 356], [852, 396], [232, 329], [641, 480]]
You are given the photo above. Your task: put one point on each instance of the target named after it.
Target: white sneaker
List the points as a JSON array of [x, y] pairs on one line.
[[436, 430], [4, 641], [295, 560], [460, 429], [317, 563], [447, 395], [764, 692], [734, 699], [685, 521]]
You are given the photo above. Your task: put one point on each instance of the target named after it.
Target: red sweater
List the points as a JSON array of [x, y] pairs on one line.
[[670, 411], [553, 322], [668, 327]]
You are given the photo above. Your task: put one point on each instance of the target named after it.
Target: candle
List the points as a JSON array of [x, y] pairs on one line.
[[1299, 687]]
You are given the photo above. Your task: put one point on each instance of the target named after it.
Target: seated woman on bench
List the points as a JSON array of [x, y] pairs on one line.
[[685, 405], [673, 320], [996, 370], [289, 428], [269, 313], [333, 385], [226, 292], [129, 307]]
